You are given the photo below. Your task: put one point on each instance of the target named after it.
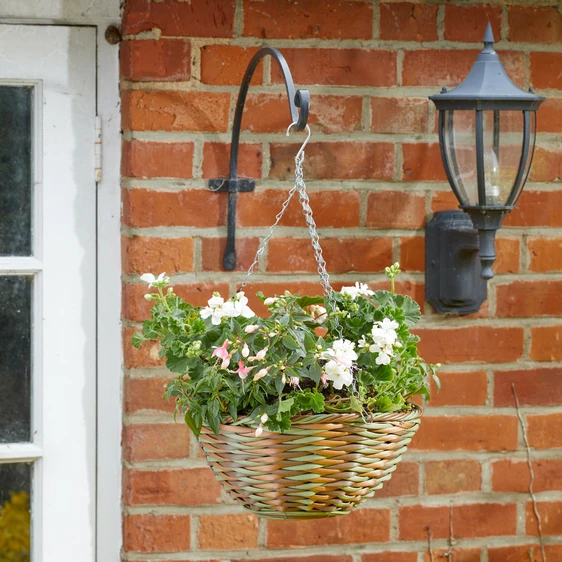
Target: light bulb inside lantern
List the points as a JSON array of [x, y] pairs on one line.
[[492, 177]]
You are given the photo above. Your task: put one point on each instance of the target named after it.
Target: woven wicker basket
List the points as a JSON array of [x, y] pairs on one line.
[[323, 466]]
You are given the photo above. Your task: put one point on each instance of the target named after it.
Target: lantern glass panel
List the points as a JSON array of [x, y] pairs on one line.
[[529, 159], [459, 130], [503, 146]]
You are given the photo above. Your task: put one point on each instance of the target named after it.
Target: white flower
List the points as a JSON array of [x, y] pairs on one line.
[[338, 373], [360, 289], [238, 306], [151, 280], [215, 309], [245, 350], [261, 373], [318, 313], [342, 352]]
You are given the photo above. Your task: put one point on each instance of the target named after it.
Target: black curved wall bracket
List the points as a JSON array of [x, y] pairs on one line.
[[297, 99]]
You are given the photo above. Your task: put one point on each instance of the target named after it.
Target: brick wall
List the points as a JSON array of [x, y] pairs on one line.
[[375, 178]]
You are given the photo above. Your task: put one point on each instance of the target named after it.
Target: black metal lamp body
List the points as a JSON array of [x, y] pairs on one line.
[[487, 137]]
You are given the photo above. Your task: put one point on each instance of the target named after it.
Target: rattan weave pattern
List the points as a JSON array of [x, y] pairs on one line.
[[323, 466]]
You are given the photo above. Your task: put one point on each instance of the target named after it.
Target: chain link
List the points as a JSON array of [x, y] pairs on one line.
[[300, 187]]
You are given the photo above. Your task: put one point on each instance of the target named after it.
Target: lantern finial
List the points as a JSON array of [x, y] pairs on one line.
[[489, 36]]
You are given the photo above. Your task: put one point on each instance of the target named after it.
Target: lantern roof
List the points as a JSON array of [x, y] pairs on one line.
[[487, 81]]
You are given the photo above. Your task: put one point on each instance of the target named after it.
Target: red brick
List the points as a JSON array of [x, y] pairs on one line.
[[549, 119], [228, 532], [456, 555], [444, 201], [339, 209], [162, 60], [536, 208], [404, 482], [508, 255], [514, 476], [534, 24], [148, 442], [534, 387], [197, 18], [360, 526], [460, 389], [469, 433], [225, 65], [404, 21], [335, 160], [546, 343], [321, 558], [484, 520], [307, 19], [395, 209], [545, 431], [468, 23], [216, 160], [142, 254], [551, 518], [422, 162], [146, 394], [545, 72], [526, 553], [269, 113], [146, 356], [475, 343], [199, 208], [545, 254], [452, 477], [523, 299], [145, 159], [213, 253], [156, 533], [191, 486], [390, 557], [175, 110], [412, 253], [414, 520], [137, 308], [340, 67], [399, 115], [441, 67], [546, 166], [342, 255]]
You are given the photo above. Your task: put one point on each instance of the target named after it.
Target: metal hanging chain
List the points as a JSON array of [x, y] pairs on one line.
[[299, 186]]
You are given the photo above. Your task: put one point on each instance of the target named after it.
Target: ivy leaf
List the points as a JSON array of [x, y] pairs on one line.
[[177, 364], [137, 339]]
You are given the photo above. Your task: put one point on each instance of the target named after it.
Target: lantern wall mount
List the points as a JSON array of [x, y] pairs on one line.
[[487, 128], [297, 99]]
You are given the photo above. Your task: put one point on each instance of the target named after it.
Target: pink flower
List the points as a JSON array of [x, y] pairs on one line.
[[259, 355], [260, 374], [251, 328], [294, 381], [323, 378], [222, 353], [242, 370]]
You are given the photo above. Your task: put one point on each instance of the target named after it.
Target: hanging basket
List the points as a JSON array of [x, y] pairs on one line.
[[323, 466]]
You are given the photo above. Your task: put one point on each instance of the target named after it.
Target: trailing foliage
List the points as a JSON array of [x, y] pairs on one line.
[[351, 351]]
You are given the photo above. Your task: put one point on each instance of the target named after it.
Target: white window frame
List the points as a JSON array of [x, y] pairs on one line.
[[100, 14]]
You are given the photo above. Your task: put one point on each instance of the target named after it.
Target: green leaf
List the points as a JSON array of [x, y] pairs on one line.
[[303, 302], [309, 342], [317, 403], [290, 343], [355, 404], [410, 308], [192, 424], [137, 339], [177, 364]]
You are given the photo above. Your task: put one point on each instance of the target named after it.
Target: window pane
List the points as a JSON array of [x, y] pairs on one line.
[[15, 358], [15, 492], [15, 170]]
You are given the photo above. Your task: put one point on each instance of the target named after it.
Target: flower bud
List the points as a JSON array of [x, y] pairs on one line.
[[245, 350], [269, 301], [251, 328], [264, 418]]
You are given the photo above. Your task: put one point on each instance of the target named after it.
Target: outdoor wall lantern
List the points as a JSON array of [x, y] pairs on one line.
[[487, 138]]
